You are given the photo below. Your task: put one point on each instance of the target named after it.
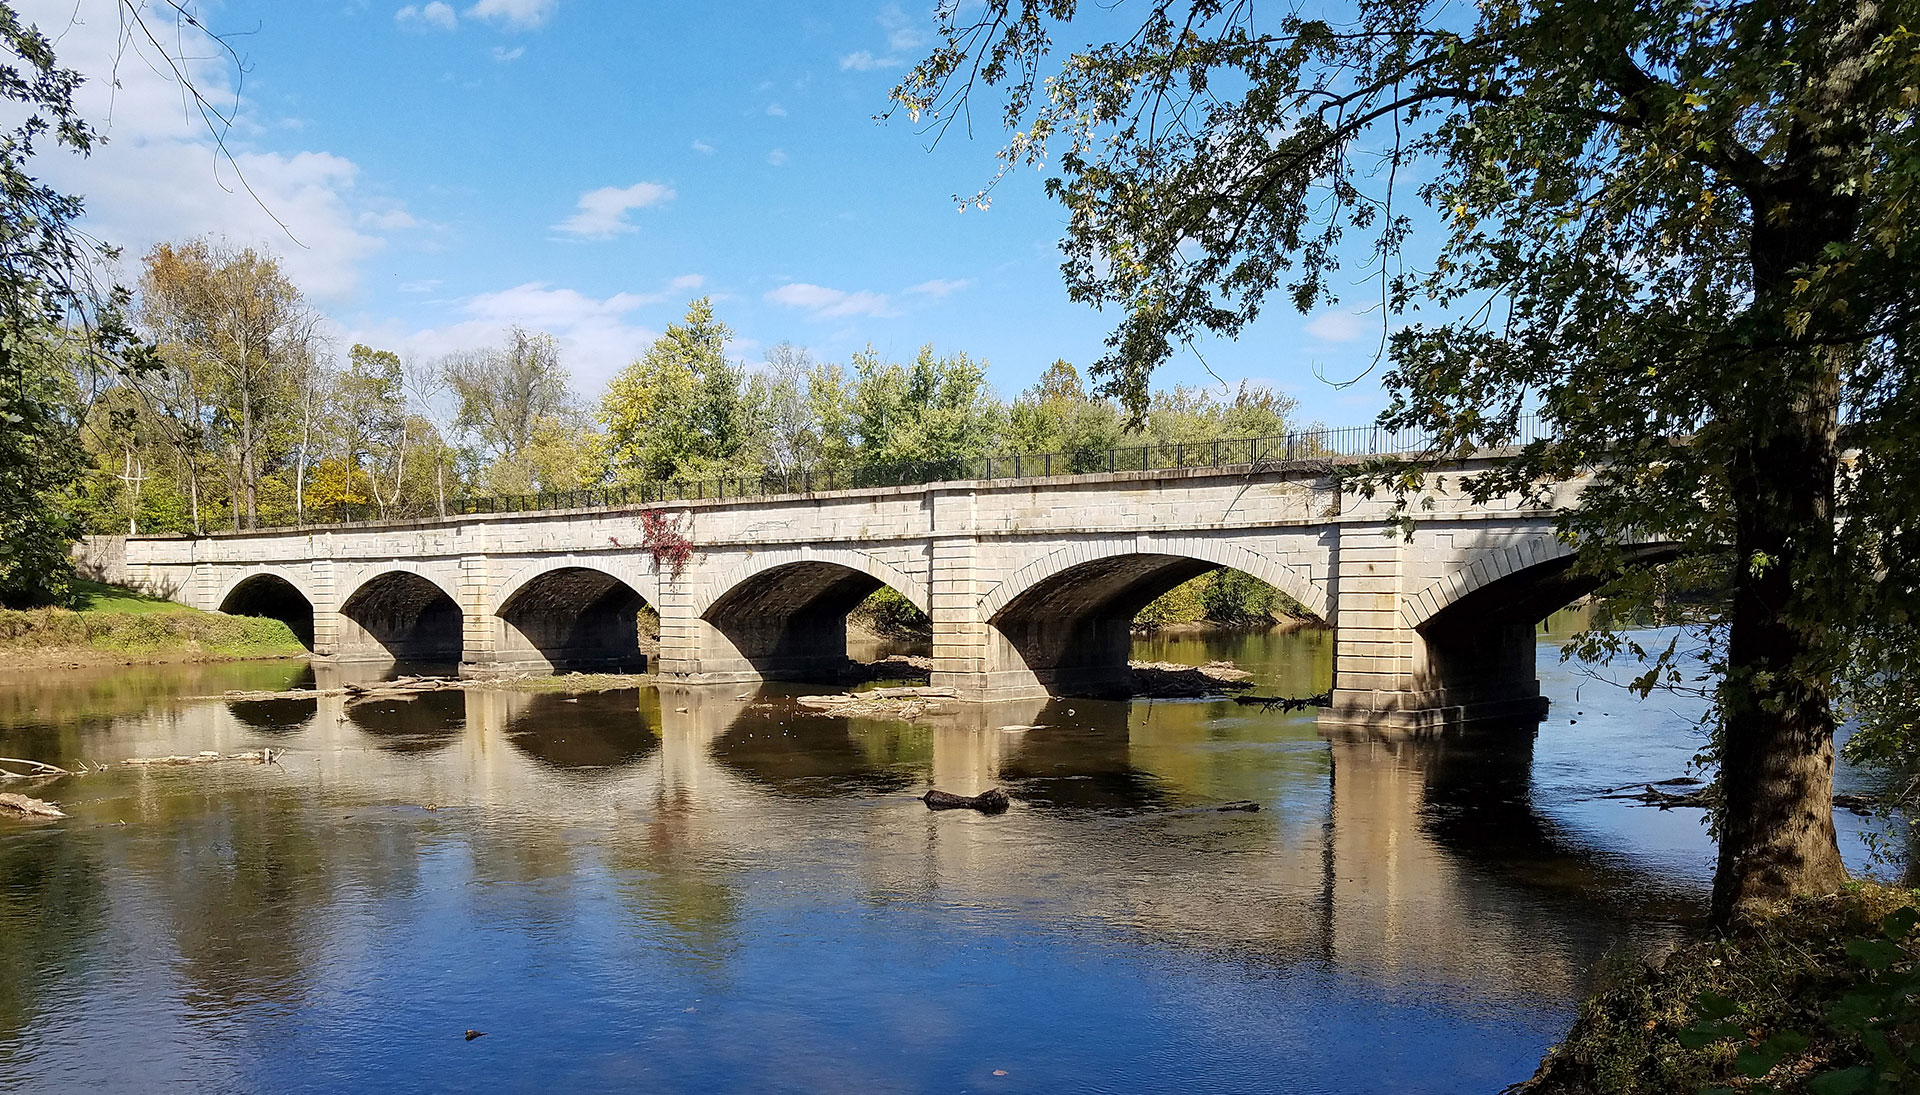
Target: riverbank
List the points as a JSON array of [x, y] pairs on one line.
[[1818, 998], [112, 625]]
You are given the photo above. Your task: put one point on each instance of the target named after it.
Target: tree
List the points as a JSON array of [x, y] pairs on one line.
[[679, 411], [234, 321], [369, 419], [54, 319], [505, 395], [929, 418], [1680, 232], [1057, 416]]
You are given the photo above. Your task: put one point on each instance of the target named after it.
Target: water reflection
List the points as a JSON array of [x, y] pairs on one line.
[[595, 730], [712, 889], [419, 724]]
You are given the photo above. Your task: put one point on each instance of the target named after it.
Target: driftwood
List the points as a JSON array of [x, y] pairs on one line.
[[899, 703], [37, 769], [209, 756], [1238, 807], [1285, 703], [22, 806], [404, 688], [993, 801]]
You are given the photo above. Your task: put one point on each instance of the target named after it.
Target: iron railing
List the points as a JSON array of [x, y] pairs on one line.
[[1252, 452]]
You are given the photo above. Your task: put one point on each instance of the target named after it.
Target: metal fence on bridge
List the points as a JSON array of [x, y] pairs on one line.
[[1251, 453]]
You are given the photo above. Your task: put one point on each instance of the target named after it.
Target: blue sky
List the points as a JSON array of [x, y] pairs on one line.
[[444, 170]]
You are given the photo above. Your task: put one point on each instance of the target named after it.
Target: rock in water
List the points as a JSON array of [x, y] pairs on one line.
[[472, 1034], [994, 801], [1230, 807]]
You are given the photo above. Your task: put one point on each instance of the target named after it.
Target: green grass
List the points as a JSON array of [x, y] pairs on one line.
[[117, 620], [91, 596]]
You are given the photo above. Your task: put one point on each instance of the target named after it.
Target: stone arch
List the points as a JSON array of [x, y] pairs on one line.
[[906, 585], [1284, 577], [400, 611], [1518, 582], [635, 575], [273, 592], [782, 615], [1065, 621], [571, 613]]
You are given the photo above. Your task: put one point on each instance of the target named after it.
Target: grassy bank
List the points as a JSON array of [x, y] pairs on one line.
[[110, 623], [1823, 997]]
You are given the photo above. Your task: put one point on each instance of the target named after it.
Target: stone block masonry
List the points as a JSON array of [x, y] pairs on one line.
[[1030, 584]]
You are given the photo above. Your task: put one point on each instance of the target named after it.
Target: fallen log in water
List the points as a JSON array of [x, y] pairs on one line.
[[1285, 703], [209, 756], [37, 769], [21, 806], [993, 801]]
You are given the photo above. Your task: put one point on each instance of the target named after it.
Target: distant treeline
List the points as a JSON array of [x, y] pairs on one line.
[[245, 415]]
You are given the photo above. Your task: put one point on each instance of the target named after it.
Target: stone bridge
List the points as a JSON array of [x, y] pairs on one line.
[[1031, 584]]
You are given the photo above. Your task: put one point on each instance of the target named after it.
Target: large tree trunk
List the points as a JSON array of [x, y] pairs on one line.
[[1777, 837]]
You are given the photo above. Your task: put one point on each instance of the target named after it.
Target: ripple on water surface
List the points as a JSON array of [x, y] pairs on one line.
[[714, 890]]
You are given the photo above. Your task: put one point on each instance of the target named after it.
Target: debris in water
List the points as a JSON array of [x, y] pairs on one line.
[[992, 801]]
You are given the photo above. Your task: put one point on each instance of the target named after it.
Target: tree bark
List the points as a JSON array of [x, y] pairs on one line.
[[1776, 765]]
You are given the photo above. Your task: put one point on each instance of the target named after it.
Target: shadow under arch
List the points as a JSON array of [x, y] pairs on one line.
[[276, 598], [789, 622], [1480, 645], [1073, 629], [574, 618], [400, 615], [614, 729]]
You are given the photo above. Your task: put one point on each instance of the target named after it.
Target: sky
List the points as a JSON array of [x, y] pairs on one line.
[[432, 173]]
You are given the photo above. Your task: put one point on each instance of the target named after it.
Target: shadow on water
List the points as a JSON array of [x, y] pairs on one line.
[[593, 730], [793, 751], [426, 723], [1082, 761]]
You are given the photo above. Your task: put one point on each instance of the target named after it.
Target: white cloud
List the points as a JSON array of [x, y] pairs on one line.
[[1334, 327], [704, 148], [904, 32], [424, 17], [513, 14], [503, 54], [425, 285], [387, 219], [939, 287], [603, 213], [863, 60], [778, 157], [596, 337], [775, 110], [158, 176], [821, 302], [685, 282]]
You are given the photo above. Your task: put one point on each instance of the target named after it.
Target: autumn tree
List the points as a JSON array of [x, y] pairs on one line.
[[509, 396], [244, 333], [1678, 231]]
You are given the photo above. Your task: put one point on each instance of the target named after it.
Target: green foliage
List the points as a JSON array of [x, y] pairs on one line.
[[678, 412], [46, 292], [1823, 997], [1223, 596], [937, 414], [886, 612]]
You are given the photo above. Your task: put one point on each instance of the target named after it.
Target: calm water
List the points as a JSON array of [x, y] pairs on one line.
[[683, 890]]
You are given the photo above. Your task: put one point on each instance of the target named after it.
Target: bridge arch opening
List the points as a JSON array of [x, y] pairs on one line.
[[276, 598], [1479, 648], [788, 622], [1073, 630], [401, 616], [575, 618]]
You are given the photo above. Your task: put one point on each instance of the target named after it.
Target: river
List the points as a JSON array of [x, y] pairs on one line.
[[714, 890]]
